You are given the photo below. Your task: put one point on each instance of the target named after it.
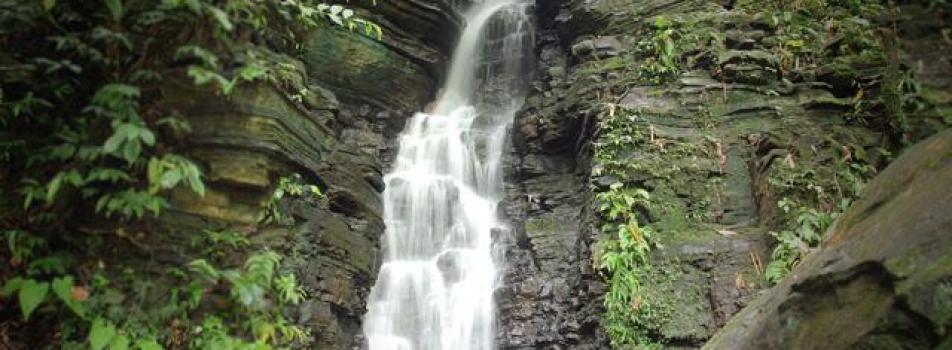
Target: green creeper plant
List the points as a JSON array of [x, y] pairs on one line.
[[85, 136]]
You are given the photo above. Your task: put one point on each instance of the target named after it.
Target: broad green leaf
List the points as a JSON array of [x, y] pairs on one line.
[[114, 96], [115, 8], [221, 17], [150, 344], [101, 334], [208, 58], [195, 182], [108, 175], [252, 72], [54, 264], [171, 178], [49, 4], [154, 173], [113, 142], [32, 294], [201, 76], [75, 178], [147, 137], [131, 151], [204, 269], [54, 186], [119, 342], [193, 5], [63, 288], [12, 286]]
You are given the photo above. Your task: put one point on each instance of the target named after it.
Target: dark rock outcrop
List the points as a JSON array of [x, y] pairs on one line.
[[246, 142], [883, 279], [551, 295], [382, 83], [712, 147], [330, 117]]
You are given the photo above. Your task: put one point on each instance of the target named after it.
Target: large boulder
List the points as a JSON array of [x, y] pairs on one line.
[[883, 279]]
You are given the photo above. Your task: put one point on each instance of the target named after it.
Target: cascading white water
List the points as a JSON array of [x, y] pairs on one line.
[[435, 287]]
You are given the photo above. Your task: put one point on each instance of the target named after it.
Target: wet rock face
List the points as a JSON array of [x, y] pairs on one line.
[[247, 142], [715, 139], [883, 280], [332, 119], [550, 297], [393, 77]]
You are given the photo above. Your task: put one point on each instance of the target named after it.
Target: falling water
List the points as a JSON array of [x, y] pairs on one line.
[[435, 287]]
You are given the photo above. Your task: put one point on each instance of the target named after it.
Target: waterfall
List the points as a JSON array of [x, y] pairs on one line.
[[435, 286]]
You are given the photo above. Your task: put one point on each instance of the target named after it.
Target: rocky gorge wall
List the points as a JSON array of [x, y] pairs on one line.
[[331, 117], [716, 147], [738, 131], [882, 280], [707, 147]]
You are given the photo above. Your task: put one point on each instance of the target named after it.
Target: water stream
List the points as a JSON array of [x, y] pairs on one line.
[[435, 286]]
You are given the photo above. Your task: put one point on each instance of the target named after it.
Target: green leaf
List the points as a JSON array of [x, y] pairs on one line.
[[204, 269], [131, 151], [170, 178], [111, 94], [49, 4], [63, 288], [32, 294], [208, 58], [47, 265], [147, 137], [107, 175], [54, 186], [252, 72], [119, 342], [115, 8], [12, 286], [201, 76], [112, 144], [150, 344], [221, 17], [101, 334]]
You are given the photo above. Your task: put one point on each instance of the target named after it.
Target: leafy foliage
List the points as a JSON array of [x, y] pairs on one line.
[[810, 204], [622, 258], [289, 187], [623, 252], [92, 86], [660, 52], [770, 45], [254, 319], [87, 141]]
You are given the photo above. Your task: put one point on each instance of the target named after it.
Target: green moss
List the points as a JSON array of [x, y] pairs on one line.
[[943, 307], [364, 69], [598, 67], [540, 226]]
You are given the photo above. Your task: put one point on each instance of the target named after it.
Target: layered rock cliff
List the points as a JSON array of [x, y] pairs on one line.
[[331, 118], [882, 280], [741, 129], [710, 147], [717, 147]]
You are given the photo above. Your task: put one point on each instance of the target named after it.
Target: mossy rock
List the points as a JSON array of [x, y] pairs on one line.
[[882, 277], [364, 70]]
